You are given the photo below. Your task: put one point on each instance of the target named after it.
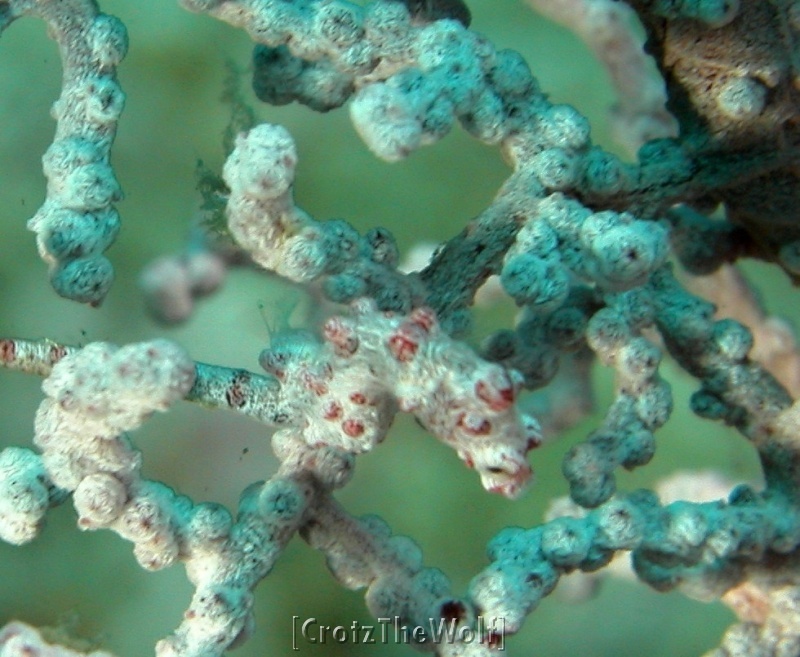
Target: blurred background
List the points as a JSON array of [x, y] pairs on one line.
[[173, 77]]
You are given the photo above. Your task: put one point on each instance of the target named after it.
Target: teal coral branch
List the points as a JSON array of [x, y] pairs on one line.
[[704, 549], [214, 386], [78, 220]]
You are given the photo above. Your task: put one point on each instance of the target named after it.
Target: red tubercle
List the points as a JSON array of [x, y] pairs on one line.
[[8, 350], [532, 432], [333, 328], [332, 410], [402, 346], [510, 489], [341, 336], [358, 398], [353, 428], [274, 364], [499, 394], [533, 443], [474, 425], [235, 395], [314, 384], [57, 352], [424, 317]]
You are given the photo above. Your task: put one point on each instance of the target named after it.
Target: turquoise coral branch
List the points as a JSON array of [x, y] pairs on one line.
[[78, 220]]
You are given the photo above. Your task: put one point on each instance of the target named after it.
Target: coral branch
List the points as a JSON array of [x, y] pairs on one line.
[[214, 386], [226, 559], [281, 237], [20, 639], [704, 548], [78, 221], [774, 345], [363, 553], [607, 28], [32, 356]]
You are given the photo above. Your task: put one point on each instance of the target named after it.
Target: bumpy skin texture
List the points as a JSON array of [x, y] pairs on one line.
[[577, 238], [78, 220]]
